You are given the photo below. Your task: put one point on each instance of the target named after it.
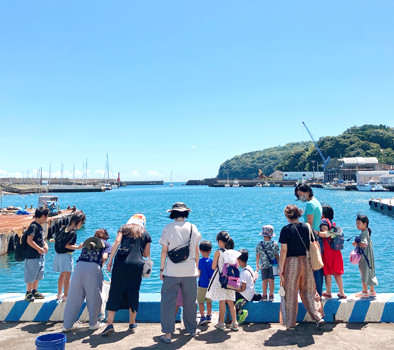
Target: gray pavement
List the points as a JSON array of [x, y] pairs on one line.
[[379, 336]]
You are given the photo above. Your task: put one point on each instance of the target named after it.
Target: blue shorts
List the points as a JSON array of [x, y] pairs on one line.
[[63, 263], [34, 269]]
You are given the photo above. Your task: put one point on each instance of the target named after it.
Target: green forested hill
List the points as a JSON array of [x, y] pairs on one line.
[[365, 141]]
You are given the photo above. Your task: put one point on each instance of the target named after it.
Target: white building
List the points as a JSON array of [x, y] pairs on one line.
[[362, 177], [302, 175], [388, 179]]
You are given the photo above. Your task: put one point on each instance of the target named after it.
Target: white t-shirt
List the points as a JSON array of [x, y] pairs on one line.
[[247, 277], [177, 234]]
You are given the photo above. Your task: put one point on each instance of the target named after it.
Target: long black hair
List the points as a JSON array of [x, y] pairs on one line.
[[364, 219]]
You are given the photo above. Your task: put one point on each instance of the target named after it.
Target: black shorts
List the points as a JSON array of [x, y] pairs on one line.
[[267, 273]]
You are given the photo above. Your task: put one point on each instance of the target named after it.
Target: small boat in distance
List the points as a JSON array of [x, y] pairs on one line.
[[171, 184], [258, 185], [228, 183], [236, 183], [372, 186]]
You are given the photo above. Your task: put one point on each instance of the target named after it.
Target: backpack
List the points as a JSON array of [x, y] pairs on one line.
[[229, 276], [20, 247], [337, 242]]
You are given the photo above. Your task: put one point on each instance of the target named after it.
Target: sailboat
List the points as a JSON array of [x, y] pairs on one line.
[[171, 184], [228, 183]]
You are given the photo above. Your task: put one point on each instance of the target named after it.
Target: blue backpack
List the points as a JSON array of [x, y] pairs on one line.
[[337, 242]]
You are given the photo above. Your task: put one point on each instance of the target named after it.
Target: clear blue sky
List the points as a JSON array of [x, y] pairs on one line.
[[184, 85]]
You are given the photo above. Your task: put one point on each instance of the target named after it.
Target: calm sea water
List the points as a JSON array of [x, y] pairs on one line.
[[240, 211]]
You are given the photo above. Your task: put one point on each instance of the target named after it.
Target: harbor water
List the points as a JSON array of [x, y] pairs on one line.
[[240, 211]]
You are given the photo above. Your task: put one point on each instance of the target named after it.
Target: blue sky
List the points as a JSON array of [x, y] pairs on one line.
[[184, 85]]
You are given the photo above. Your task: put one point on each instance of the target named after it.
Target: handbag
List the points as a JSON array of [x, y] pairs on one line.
[[314, 253], [182, 252], [147, 268]]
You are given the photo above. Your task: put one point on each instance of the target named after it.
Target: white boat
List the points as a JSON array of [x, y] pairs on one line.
[[372, 186], [258, 185], [266, 184], [228, 182], [274, 185], [114, 186], [236, 183], [171, 184], [334, 187]]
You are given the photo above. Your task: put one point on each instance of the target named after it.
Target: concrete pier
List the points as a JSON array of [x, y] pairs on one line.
[[384, 206]]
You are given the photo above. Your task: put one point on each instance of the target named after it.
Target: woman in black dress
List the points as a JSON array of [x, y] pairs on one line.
[[134, 242]]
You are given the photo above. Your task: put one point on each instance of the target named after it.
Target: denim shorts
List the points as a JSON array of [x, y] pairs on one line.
[[267, 273], [63, 263], [34, 269]]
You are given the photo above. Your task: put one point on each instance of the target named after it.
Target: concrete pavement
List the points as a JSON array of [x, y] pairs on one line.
[[380, 336]]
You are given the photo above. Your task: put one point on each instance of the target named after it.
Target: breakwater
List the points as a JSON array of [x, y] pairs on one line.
[[242, 183]]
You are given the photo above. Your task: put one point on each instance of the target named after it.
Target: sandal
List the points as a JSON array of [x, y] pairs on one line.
[[234, 326], [165, 340], [340, 296], [221, 326], [327, 295], [264, 297], [362, 295]]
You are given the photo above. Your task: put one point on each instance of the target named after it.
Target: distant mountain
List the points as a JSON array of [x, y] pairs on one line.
[[364, 141], [247, 165]]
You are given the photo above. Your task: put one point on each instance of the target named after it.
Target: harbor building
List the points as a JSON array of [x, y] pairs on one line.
[[358, 169], [302, 175]]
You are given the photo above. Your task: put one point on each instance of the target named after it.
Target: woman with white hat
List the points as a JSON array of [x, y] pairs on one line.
[[179, 269], [134, 242]]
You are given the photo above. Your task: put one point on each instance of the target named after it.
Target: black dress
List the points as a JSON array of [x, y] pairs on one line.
[[127, 273]]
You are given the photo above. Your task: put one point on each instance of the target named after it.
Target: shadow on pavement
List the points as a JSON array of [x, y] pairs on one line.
[[8, 325], [254, 327], [356, 326], [95, 340], [302, 336], [38, 327]]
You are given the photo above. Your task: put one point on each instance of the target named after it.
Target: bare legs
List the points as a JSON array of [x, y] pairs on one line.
[[64, 282], [338, 280]]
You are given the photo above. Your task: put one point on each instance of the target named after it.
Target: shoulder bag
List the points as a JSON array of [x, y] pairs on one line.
[[147, 268], [182, 252], [313, 253]]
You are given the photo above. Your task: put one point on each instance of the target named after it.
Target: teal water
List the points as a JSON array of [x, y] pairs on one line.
[[240, 211]]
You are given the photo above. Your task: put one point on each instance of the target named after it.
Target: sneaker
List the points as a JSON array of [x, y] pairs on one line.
[[64, 298], [196, 332], [132, 326], [76, 325], [362, 295], [29, 297], [165, 340], [108, 330], [239, 304], [209, 319], [242, 316], [264, 298], [38, 295], [320, 323], [372, 294], [96, 326], [203, 320], [271, 298], [59, 296]]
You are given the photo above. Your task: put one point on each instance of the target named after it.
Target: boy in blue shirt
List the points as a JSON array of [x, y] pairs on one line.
[[206, 272]]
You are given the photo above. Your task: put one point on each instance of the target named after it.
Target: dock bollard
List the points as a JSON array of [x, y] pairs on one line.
[[52, 341]]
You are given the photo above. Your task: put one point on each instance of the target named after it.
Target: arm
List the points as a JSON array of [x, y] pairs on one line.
[[243, 287], [74, 246], [34, 245], [257, 261], [114, 248], [146, 252], [197, 256], [163, 257], [323, 231], [104, 259], [215, 260], [282, 261]]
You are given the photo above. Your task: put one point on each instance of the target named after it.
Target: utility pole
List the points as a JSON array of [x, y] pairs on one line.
[[313, 167]]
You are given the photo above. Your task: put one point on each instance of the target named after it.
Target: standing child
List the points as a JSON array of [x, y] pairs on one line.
[[367, 261], [215, 290], [36, 248], [247, 292], [206, 272], [266, 251], [65, 245]]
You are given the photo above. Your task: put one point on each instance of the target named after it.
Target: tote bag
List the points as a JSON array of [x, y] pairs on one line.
[[314, 252]]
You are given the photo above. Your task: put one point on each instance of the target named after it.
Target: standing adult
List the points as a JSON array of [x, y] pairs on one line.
[[36, 248], [179, 275], [295, 270], [312, 216], [134, 242]]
